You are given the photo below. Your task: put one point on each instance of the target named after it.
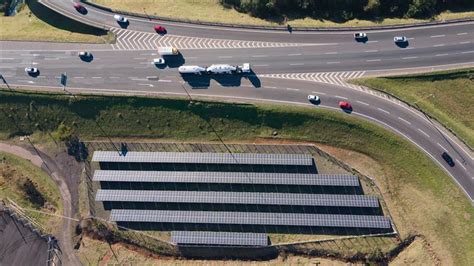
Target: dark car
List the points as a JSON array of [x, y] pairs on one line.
[[80, 8], [448, 159]]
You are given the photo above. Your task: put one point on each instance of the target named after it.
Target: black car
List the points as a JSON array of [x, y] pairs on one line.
[[448, 159]]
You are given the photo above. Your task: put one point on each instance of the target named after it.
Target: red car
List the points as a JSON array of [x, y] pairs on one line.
[[80, 8], [160, 29], [345, 105]]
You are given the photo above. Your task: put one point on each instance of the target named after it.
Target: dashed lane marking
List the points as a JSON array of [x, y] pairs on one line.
[[441, 146], [462, 33], [364, 103], [383, 110], [424, 133], [404, 120], [460, 164]]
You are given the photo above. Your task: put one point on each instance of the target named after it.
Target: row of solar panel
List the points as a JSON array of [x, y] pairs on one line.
[[226, 177], [219, 238], [203, 158], [218, 197], [246, 218]]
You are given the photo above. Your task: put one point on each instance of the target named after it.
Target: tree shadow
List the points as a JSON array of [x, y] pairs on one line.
[[59, 21]]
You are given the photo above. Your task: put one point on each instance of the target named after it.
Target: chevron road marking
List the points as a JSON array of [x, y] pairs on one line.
[[335, 78]]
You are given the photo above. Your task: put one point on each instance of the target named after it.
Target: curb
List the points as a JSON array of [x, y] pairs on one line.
[[279, 28]]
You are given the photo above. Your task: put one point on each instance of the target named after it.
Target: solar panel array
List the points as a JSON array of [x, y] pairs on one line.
[[203, 158], [219, 238], [227, 177], [218, 197], [254, 218], [166, 200]]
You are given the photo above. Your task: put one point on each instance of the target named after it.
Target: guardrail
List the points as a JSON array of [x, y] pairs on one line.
[[281, 28]]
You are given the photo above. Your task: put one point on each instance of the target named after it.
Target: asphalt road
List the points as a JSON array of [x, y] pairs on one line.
[[130, 71]]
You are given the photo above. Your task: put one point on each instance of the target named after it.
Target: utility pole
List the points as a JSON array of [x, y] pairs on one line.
[[5, 81]]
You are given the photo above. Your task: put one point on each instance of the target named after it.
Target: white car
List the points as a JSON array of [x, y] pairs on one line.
[[313, 98], [85, 54], [120, 19], [360, 35], [31, 70], [245, 68], [400, 39], [159, 61]]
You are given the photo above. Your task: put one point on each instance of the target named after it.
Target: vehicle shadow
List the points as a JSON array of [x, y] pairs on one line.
[[362, 40], [123, 25], [253, 78], [174, 61], [347, 110], [87, 59], [34, 75], [204, 81], [402, 44], [197, 81], [83, 11]]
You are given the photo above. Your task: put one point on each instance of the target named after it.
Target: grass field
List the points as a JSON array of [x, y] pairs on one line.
[[213, 11], [421, 197], [36, 23], [447, 96], [13, 173]]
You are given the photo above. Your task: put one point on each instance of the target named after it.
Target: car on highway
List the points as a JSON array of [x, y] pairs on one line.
[[400, 39], [245, 68], [120, 19], [448, 159], [345, 105], [360, 35], [31, 70], [80, 8], [160, 29], [85, 54], [159, 61], [313, 98]]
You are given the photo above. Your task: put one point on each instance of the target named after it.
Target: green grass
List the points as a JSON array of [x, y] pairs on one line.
[[213, 11], [13, 171], [447, 96], [37, 23], [421, 197]]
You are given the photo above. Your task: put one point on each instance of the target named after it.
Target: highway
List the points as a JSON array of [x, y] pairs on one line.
[[287, 67]]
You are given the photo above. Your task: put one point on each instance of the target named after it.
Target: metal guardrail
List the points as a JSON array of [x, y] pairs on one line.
[[281, 28]]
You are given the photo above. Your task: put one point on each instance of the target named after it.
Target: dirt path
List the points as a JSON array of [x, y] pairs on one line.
[[50, 167]]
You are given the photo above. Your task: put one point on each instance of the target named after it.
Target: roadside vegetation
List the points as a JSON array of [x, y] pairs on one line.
[[447, 96], [422, 199], [317, 13], [30, 188], [36, 23]]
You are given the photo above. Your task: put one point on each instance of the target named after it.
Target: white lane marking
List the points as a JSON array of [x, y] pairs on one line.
[[385, 111], [297, 64], [77, 77], [225, 56], [260, 65], [441, 146], [331, 53], [460, 164], [364, 103], [27, 81], [424, 133], [114, 77], [317, 92], [439, 45], [164, 80], [294, 54], [404, 120], [334, 62], [437, 36], [462, 33], [149, 85], [248, 86], [139, 58], [4, 58], [372, 41], [96, 77], [269, 87], [441, 54], [371, 51], [340, 97], [411, 38], [260, 55], [139, 79], [465, 42], [373, 60], [410, 57], [51, 59], [467, 52], [291, 89]]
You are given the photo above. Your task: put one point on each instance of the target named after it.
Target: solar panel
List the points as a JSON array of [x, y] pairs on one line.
[[219, 238], [203, 158], [219, 197], [226, 177], [254, 218]]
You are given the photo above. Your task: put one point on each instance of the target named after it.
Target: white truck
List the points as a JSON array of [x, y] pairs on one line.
[[196, 70], [168, 51], [228, 69]]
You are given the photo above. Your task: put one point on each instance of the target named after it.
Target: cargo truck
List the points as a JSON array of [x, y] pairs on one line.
[[168, 51]]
